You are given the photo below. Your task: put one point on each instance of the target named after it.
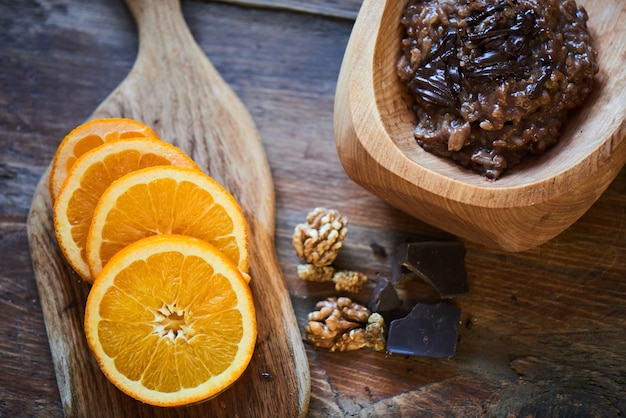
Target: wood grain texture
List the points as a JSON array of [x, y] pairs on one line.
[[175, 89], [534, 201], [333, 8], [543, 331]]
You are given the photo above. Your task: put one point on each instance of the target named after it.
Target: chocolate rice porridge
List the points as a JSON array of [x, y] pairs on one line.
[[493, 80]]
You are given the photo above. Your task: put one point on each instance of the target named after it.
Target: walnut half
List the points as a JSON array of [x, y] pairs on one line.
[[319, 239], [349, 281], [312, 273], [342, 325], [344, 280]]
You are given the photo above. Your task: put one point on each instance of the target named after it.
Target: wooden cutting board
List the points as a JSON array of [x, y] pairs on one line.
[[174, 89]]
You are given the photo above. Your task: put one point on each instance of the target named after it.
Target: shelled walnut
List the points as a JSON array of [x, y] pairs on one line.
[[349, 281], [319, 239], [344, 280], [342, 325], [312, 273]]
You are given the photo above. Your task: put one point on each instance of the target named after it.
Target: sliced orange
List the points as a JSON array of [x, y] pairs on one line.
[[166, 200], [88, 136], [171, 321], [89, 177]]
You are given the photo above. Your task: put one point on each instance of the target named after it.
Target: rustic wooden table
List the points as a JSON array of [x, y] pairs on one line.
[[543, 332]]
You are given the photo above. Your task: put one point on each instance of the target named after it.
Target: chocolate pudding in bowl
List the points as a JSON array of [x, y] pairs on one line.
[[493, 80]]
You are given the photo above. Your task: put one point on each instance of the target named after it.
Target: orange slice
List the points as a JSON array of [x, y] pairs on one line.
[[166, 200], [89, 177], [171, 321], [88, 136]]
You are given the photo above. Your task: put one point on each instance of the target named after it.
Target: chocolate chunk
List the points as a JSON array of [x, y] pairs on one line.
[[384, 298], [428, 331], [439, 263]]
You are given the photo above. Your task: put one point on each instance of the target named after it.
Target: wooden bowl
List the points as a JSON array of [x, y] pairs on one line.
[[528, 205]]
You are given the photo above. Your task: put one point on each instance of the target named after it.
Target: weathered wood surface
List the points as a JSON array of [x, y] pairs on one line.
[[544, 331]]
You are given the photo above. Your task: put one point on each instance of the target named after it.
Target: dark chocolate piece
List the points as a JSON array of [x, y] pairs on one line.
[[384, 298], [439, 263], [428, 331]]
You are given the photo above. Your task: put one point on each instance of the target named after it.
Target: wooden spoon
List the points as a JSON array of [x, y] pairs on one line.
[[175, 89], [524, 208]]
